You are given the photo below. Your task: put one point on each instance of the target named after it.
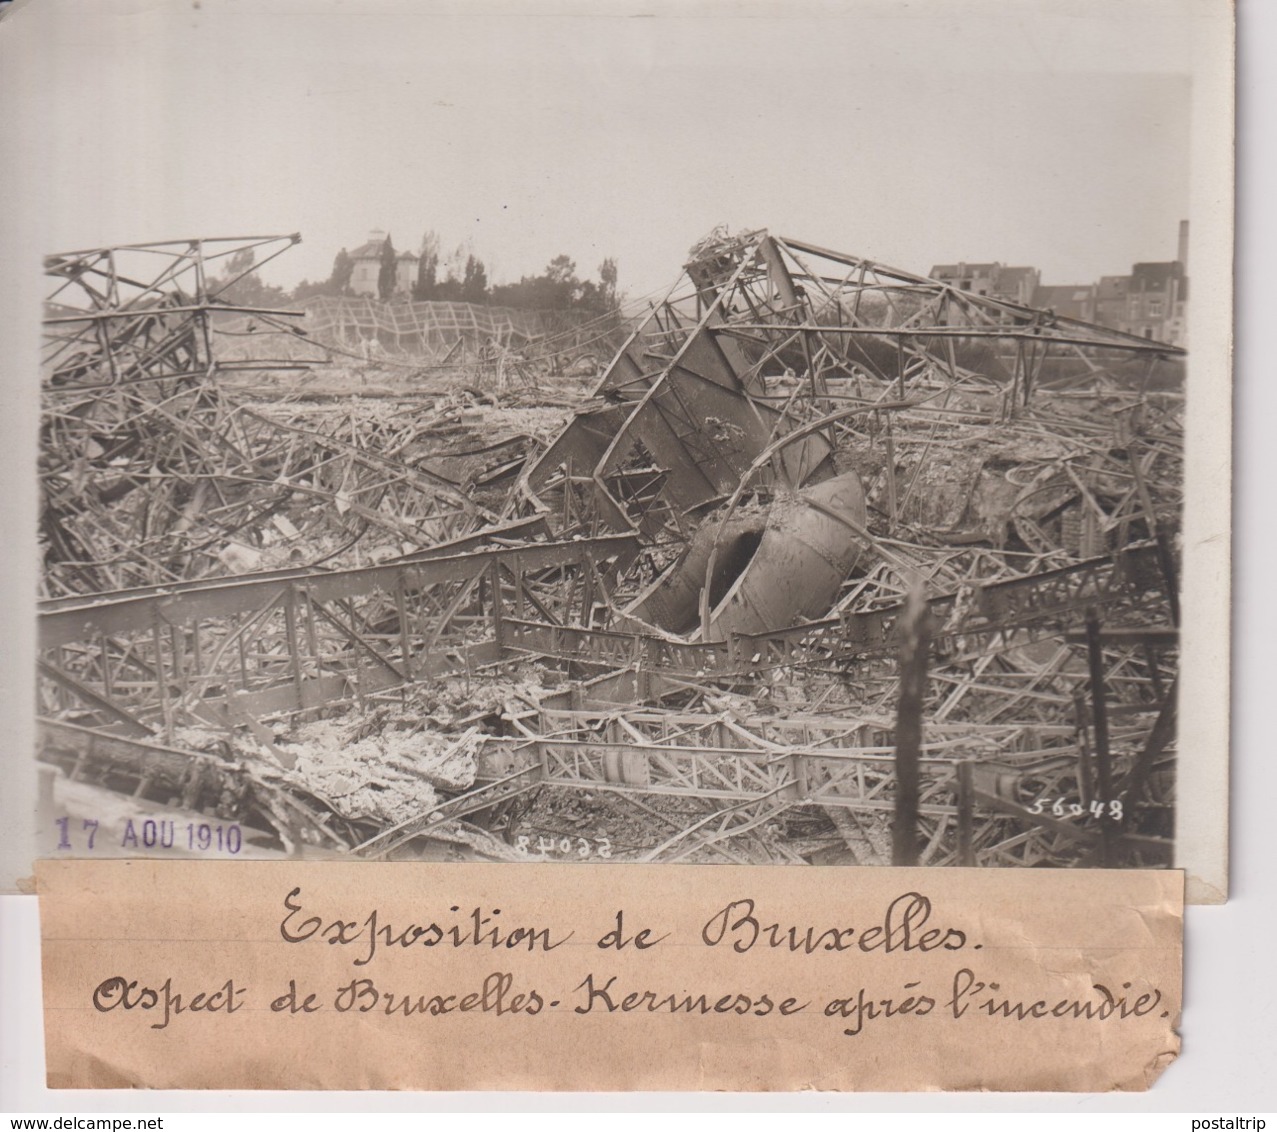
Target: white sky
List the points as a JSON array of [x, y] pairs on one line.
[[1044, 132]]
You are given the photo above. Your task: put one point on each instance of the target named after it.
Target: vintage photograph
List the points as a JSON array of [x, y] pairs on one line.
[[750, 437]]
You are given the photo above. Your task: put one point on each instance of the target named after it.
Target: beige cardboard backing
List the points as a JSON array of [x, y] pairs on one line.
[[907, 979]]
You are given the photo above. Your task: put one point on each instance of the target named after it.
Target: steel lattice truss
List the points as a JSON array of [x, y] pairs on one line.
[[1024, 468], [144, 312]]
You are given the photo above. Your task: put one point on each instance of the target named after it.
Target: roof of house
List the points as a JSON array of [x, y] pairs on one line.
[[1113, 286], [1008, 280], [963, 269], [1008, 274], [1058, 294], [1155, 276], [369, 249]]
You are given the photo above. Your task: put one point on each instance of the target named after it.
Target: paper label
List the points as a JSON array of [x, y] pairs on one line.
[[326, 975]]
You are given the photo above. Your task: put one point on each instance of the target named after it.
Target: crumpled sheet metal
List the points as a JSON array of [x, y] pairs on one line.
[[763, 571], [809, 545]]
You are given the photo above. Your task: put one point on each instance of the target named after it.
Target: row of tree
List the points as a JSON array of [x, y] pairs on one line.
[[461, 276]]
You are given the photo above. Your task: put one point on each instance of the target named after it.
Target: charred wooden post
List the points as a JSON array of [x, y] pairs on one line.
[[1159, 738], [966, 814], [1165, 552], [914, 648], [1099, 716]]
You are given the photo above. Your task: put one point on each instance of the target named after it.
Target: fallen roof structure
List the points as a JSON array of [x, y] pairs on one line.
[[685, 615]]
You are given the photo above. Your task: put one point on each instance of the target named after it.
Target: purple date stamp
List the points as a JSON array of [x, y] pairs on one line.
[[142, 834]]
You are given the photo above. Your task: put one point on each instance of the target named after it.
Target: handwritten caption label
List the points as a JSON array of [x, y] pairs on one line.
[[216, 974]]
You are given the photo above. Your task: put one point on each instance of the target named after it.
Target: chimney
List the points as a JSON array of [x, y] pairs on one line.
[[1183, 245]]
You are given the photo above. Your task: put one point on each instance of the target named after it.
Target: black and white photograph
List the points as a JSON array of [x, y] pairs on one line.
[[712, 434]]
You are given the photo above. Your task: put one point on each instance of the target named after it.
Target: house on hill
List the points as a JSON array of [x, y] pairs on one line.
[[367, 267]]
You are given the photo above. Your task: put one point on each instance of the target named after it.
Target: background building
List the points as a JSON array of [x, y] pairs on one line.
[[1070, 300], [367, 266], [1150, 302], [995, 280]]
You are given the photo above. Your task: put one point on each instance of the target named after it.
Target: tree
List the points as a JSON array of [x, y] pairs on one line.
[[607, 279], [240, 262], [460, 276], [449, 290], [387, 276], [427, 268], [228, 286], [240, 286], [561, 270], [474, 287], [558, 288], [337, 283], [308, 290], [343, 269], [561, 274]]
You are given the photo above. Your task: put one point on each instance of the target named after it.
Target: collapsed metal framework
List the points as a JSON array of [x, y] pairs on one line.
[[151, 472], [696, 386], [444, 333], [1023, 467]]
